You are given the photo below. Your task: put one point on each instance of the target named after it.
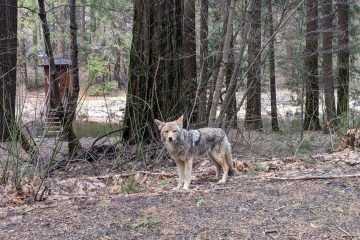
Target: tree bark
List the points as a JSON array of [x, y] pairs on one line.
[[327, 64], [253, 105], [343, 59], [155, 87], [231, 118], [120, 71], [55, 99], [189, 56], [233, 84], [274, 119], [83, 21], [204, 66], [35, 43], [216, 62], [61, 40], [8, 61], [24, 61], [311, 121], [70, 110], [222, 70]]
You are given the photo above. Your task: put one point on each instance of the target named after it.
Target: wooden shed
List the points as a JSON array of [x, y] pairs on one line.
[[63, 73], [50, 122]]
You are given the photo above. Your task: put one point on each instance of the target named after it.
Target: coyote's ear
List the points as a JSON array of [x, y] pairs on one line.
[[159, 124], [180, 120]]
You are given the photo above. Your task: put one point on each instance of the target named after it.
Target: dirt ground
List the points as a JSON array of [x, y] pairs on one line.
[[96, 200], [249, 206]]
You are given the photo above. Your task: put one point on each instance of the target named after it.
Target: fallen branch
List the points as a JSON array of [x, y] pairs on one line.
[[118, 176], [107, 134], [313, 177]]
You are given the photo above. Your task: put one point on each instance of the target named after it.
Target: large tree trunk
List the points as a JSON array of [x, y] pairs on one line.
[[155, 87], [225, 59], [253, 105], [70, 110], [189, 56], [8, 60], [327, 64], [343, 59], [274, 120], [204, 62], [311, 121]]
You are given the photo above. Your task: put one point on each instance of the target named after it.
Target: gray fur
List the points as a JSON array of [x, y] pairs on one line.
[[185, 145]]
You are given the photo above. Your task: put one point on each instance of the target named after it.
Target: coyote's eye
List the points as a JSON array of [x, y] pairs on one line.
[[166, 131], [175, 131]]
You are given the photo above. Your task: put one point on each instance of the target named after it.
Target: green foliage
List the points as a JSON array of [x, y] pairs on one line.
[[308, 161], [105, 203], [97, 72], [106, 89], [131, 185], [144, 224], [258, 167], [97, 66]]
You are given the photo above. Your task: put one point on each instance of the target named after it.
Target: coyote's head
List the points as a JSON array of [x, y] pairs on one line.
[[170, 131]]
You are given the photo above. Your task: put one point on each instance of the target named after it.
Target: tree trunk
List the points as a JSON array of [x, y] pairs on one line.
[[35, 45], [83, 22], [216, 63], [327, 64], [156, 46], [120, 73], [224, 62], [231, 118], [289, 49], [274, 119], [253, 105], [24, 60], [343, 59], [204, 66], [233, 84], [8, 61], [311, 121], [61, 40], [55, 99], [189, 61], [70, 111]]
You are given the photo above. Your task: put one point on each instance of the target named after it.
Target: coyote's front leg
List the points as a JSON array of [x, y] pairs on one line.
[[180, 168], [187, 173]]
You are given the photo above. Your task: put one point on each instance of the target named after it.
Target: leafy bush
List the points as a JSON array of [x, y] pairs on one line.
[[104, 89], [97, 67]]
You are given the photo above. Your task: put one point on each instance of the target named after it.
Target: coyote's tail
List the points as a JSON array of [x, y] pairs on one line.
[[228, 156]]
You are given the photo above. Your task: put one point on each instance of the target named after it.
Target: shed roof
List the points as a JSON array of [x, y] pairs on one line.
[[58, 62]]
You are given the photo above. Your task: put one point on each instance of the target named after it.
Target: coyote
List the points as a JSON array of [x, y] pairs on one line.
[[184, 146]]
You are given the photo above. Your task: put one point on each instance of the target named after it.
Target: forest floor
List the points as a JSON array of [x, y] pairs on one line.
[[273, 195]]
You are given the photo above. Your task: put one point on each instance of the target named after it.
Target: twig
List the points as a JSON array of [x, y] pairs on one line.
[[158, 174], [314, 177], [344, 231], [36, 208], [128, 175]]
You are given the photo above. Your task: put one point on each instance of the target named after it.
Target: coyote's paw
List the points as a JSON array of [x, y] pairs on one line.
[[222, 181]]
